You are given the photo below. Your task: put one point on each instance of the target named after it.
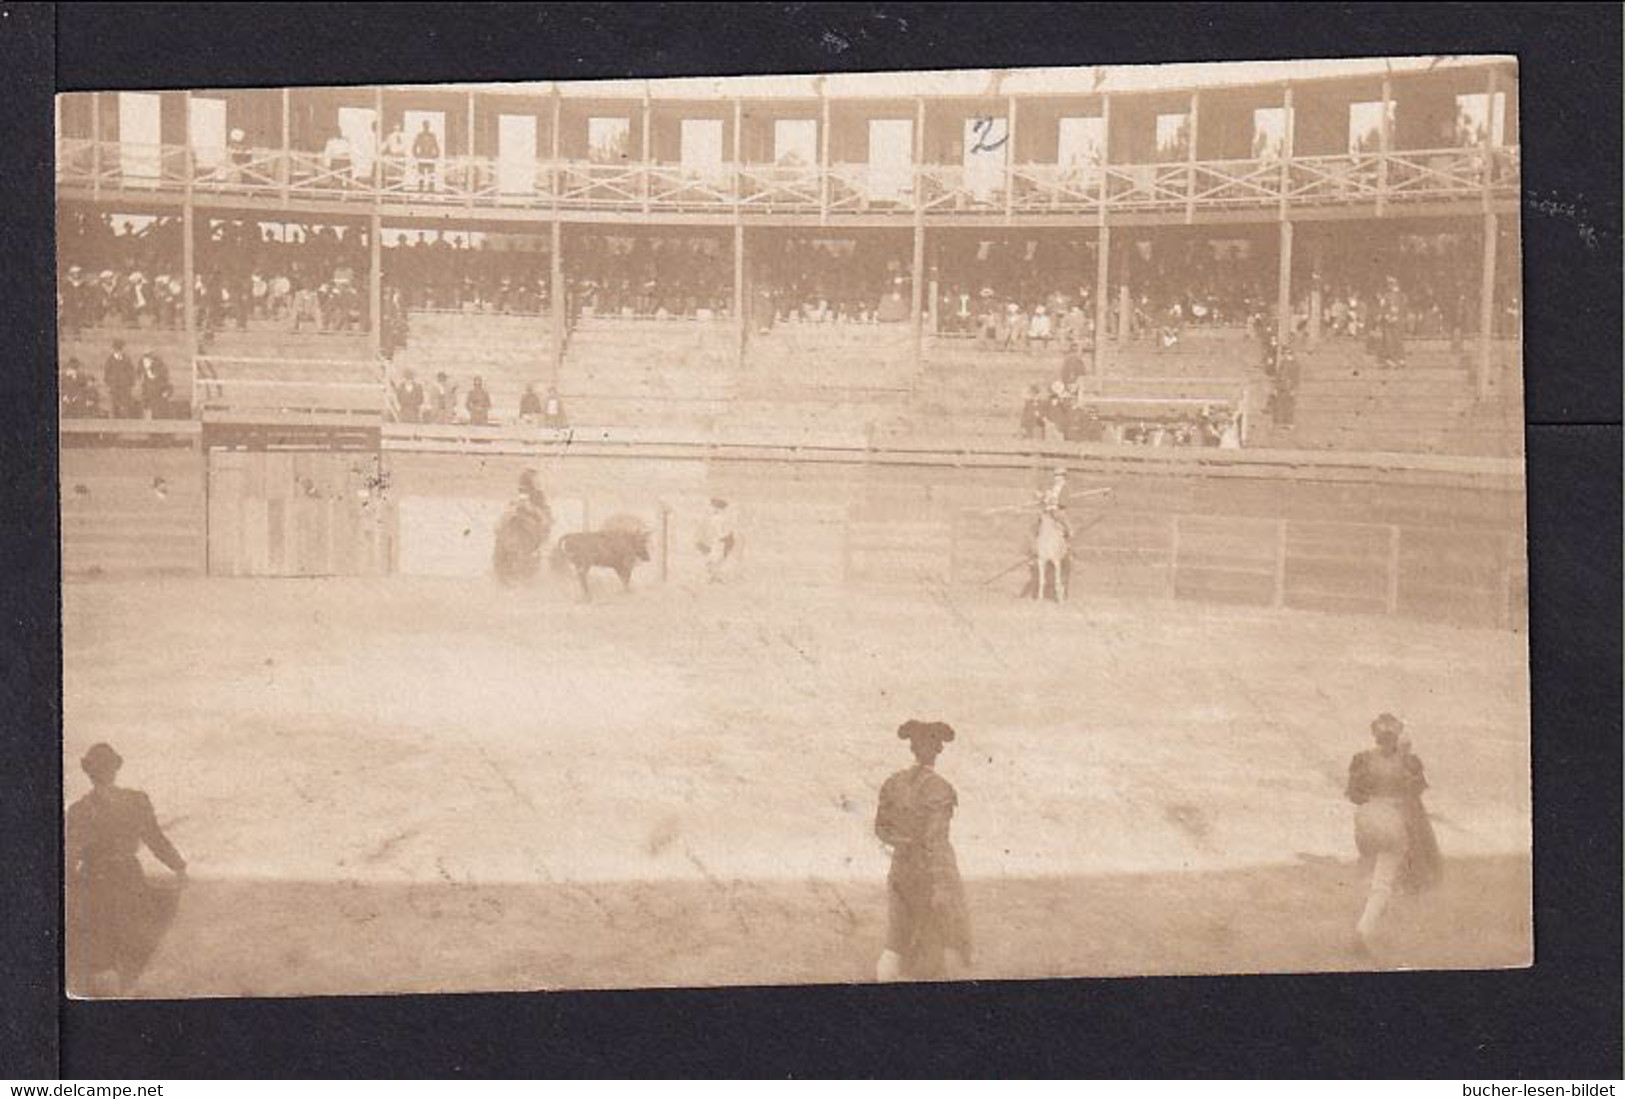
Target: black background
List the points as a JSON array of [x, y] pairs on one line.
[[1560, 1018]]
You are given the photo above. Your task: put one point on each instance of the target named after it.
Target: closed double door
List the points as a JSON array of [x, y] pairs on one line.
[[298, 513]]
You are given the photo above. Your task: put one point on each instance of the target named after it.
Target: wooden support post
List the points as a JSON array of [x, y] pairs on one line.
[[96, 145], [916, 314], [1173, 557], [1384, 142], [189, 273], [1392, 601], [554, 173], [1316, 248], [285, 168], [1283, 303], [739, 290], [1286, 151], [470, 171], [823, 155], [1486, 311], [378, 134], [1103, 251], [1190, 161], [1280, 563], [743, 318], [738, 144], [933, 292], [1105, 151], [375, 280], [917, 290], [188, 154], [643, 160], [1010, 162], [557, 305]]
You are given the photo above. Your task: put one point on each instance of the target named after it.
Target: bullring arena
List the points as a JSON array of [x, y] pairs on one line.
[[388, 772]]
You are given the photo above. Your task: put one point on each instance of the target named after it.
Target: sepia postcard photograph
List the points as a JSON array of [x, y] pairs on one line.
[[820, 528]]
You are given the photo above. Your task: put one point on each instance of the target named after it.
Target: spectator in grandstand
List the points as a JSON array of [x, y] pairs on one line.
[[239, 155], [1077, 328], [306, 309], [155, 388], [426, 151], [118, 373], [530, 405], [1032, 413], [78, 394], [409, 398], [1391, 312], [1073, 367], [1039, 330], [478, 402], [1283, 402], [442, 399], [553, 410], [392, 158]]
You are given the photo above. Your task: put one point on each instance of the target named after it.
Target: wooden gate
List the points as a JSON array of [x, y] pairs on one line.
[[297, 513]]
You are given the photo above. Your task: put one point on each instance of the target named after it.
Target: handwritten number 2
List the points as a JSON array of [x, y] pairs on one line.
[[983, 127]]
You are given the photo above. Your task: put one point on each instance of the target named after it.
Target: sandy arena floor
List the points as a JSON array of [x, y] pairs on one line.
[[406, 784]]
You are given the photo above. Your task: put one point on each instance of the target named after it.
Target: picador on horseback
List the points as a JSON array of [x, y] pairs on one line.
[[1049, 556], [522, 533]]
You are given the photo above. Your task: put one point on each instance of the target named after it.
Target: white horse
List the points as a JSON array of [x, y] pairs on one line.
[[1052, 547]]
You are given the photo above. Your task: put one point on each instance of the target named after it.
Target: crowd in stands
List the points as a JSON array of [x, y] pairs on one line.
[[439, 403], [857, 281], [437, 272], [647, 276], [307, 278]]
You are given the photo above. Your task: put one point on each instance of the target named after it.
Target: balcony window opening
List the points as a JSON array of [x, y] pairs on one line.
[[891, 159], [1475, 123], [140, 134], [1270, 129], [795, 142], [609, 140], [1365, 126], [516, 154], [700, 152], [987, 147], [1081, 147], [1173, 136], [206, 133]]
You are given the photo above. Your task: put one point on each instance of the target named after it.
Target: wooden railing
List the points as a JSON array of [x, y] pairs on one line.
[[1399, 177]]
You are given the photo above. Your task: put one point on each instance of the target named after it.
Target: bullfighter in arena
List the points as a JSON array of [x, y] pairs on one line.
[[1391, 828], [115, 917], [718, 538], [926, 913]]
